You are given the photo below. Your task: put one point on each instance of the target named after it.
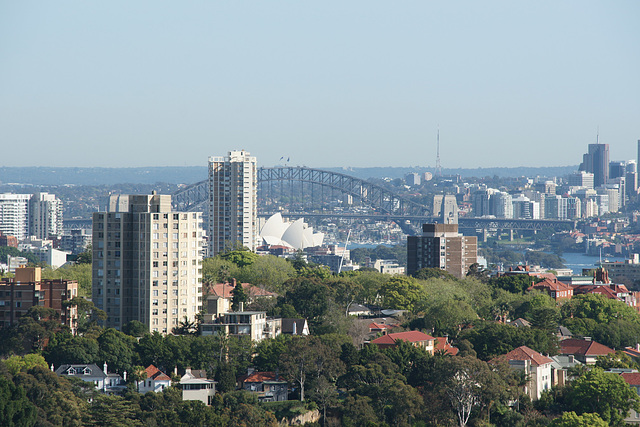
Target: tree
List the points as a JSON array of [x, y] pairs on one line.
[[239, 297], [137, 375], [116, 349], [135, 328], [241, 258], [85, 257], [571, 419], [402, 293], [603, 393], [297, 362], [15, 409], [16, 364], [434, 273]]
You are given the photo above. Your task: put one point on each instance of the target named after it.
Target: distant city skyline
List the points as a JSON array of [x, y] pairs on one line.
[[330, 84]]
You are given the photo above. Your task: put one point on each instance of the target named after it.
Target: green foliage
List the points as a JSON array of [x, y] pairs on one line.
[[267, 271], [241, 258], [516, 283], [14, 252], [433, 273], [17, 364], [218, 270], [403, 293], [491, 339], [15, 409], [135, 328], [571, 419], [606, 394], [239, 296], [309, 296], [80, 273], [117, 350], [599, 308], [85, 257]]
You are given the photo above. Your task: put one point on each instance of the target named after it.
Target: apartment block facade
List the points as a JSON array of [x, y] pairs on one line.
[[147, 262], [27, 289], [233, 186], [441, 246]]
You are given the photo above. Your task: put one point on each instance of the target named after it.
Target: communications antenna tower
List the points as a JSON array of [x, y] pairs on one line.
[[438, 167]]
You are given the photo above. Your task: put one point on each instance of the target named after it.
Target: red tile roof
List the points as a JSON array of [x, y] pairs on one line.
[[224, 290], [525, 353], [442, 344], [632, 378], [380, 326], [583, 347], [554, 285], [410, 336], [154, 373], [259, 377]]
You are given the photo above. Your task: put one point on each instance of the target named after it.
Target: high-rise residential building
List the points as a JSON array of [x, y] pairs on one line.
[[502, 204], [45, 216], [147, 262], [14, 214], [233, 189], [596, 161], [631, 178], [440, 246]]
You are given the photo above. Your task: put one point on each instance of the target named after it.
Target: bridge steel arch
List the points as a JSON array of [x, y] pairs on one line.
[[371, 194], [195, 196]]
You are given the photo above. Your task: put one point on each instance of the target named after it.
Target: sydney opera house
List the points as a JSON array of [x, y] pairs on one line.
[[296, 234]]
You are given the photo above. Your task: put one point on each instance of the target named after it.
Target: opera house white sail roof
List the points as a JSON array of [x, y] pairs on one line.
[[296, 234]]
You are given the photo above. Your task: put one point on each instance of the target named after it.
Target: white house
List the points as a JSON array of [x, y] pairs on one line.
[[196, 386], [536, 366], [156, 381]]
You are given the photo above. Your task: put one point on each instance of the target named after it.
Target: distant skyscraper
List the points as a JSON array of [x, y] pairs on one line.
[[233, 216], [581, 179], [45, 216], [147, 262], [596, 161]]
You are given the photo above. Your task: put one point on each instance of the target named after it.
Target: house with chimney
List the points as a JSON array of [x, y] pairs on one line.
[[415, 338], [156, 381], [102, 380], [584, 350], [269, 386], [556, 289]]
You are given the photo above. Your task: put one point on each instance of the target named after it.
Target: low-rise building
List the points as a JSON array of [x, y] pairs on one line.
[[585, 351], [536, 367], [156, 381], [101, 379], [415, 338], [267, 385], [196, 386], [27, 289], [555, 289]]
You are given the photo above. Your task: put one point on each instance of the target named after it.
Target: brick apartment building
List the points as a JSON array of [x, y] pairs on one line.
[[27, 289]]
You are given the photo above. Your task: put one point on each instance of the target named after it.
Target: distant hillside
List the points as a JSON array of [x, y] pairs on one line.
[[191, 174], [400, 172], [102, 176]]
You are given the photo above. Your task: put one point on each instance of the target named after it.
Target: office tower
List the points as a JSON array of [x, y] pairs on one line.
[[617, 168], [440, 246], [233, 185], [147, 262], [14, 215], [631, 179], [581, 179], [596, 161], [45, 216]]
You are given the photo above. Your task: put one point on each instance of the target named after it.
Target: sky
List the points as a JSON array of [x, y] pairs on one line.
[[324, 84]]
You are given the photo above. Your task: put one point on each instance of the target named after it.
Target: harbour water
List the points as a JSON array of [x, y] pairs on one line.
[[578, 261]]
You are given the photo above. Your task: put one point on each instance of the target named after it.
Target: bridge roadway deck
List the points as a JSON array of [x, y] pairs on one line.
[[463, 222]]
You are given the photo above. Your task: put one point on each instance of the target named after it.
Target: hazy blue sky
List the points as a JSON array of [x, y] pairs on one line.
[[326, 83]]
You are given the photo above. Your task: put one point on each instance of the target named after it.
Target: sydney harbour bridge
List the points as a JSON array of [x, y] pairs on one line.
[[313, 193]]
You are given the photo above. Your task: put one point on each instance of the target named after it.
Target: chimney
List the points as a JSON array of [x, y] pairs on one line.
[[233, 282], [53, 370], [295, 327], [104, 368], [187, 371], [124, 376], [241, 306], [637, 348]]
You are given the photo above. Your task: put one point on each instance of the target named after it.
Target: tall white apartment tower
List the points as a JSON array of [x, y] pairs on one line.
[[45, 215], [147, 262], [233, 188], [14, 215]]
